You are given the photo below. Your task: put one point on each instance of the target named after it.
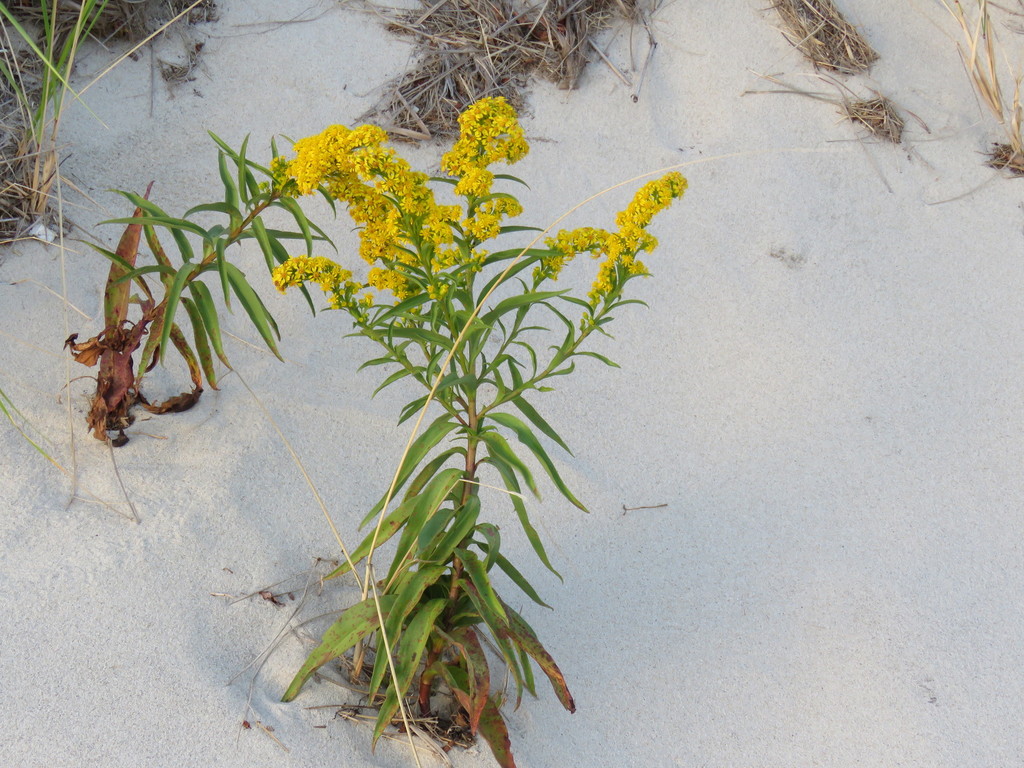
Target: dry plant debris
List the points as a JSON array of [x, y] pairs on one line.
[[184, 72], [980, 57], [878, 115], [24, 182], [1004, 157], [469, 49], [819, 31]]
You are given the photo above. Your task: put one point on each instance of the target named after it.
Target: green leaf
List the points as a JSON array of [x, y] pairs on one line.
[[200, 336], [249, 184], [528, 680], [430, 469], [518, 228], [396, 376], [418, 451], [290, 205], [204, 303], [491, 543], [440, 551], [355, 624], [253, 306], [502, 277], [527, 438], [226, 208], [227, 148], [173, 294], [405, 601], [498, 447], [514, 302], [519, 580], [242, 169], [421, 334], [125, 265], [402, 308], [139, 272], [602, 358], [411, 409], [508, 476], [222, 269], [410, 651], [535, 418], [271, 255], [389, 527], [510, 177], [425, 508], [523, 636], [474, 569]]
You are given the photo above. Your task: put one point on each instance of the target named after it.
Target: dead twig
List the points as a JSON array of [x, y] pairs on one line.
[[626, 509]]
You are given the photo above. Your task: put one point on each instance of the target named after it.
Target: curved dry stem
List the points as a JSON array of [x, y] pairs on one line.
[[305, 475]]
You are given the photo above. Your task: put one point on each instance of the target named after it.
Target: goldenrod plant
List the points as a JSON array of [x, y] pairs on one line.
[[200, 251], [429, 304]]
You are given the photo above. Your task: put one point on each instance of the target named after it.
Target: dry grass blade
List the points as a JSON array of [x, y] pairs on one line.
[[469, 49], [980, 59], [878, 114], [28, 145], [819, 31]]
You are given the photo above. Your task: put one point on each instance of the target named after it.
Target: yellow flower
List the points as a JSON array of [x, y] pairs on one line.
[[486, 220], [382, 192], [652, 198], [488, 133], [619, 249], [390, 280], [317, 269], [566, 244]]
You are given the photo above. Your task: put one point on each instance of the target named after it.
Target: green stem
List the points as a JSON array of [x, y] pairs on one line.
[[211, 251], [560, 357]]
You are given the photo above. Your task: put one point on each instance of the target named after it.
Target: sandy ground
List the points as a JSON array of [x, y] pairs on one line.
[[825, 393]]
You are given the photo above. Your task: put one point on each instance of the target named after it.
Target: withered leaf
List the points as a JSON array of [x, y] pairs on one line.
[[88, 352], [177, 404]]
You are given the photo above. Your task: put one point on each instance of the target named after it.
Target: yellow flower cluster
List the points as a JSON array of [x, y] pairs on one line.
[[390, 280], [485, 222], [332, 278], [488, 133], [384, 195], [619, 249], [315, 269]]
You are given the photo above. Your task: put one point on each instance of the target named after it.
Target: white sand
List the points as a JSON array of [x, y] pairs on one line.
[[836, 579]]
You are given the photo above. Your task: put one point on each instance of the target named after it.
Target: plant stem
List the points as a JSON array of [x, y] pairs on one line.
[[472, 421], [427, 679]]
